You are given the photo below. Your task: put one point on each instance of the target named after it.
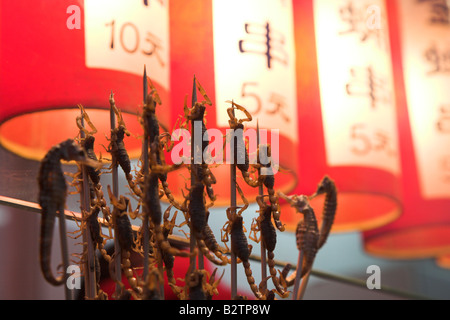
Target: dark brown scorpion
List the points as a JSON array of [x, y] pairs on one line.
[[241, 159], [269, 237], [240, 247]]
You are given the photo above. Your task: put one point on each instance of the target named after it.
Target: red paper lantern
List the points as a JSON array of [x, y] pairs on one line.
[[419, 47], [347, 128], [266, 59], [202, 44], [56, 55], [251, 60]]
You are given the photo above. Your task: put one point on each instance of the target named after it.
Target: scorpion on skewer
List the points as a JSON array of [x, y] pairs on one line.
[[124, 234], [52, 197], [240, 152], [91, 222], [96, 233], [240, 247], [269, 237], [268, 180], [241, 159], [117, 147], [167, 257], [307, 234], [151, 127], [198, 217], [151, 290], [93, 173], [197, 286], [197, 114], [152, 205]]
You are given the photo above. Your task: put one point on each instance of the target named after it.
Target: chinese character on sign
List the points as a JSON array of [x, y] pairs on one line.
[[279, 103], [146, 2], [439, 60], [443, 124], [364, 82], [356, 20], [439, 11], [445, 167], [264, 41], [155, 46], [366, 140]]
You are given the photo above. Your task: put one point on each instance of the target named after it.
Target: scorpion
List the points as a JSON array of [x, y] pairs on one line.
[[96, 233], [197, 114], [93, 173], [264, 151], [197, 286], [124, 233], [307, 233], [151, 288], [211, 243], [52, 197], [240, 247], [152, 208], [327, 187], [240, 150], [198, 216], [269, 237], [167, 257], [91, 222], [151, 132], [117, 147]]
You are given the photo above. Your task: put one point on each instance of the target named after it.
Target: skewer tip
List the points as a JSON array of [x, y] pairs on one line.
[[145, 83], [194, 91]]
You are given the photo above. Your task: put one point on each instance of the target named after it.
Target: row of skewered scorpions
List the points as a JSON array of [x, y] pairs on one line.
[[149, 188]]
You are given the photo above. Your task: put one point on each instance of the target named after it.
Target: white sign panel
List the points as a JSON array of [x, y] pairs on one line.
[[426, 62], [126, 35], [254, 62], [356, 84]]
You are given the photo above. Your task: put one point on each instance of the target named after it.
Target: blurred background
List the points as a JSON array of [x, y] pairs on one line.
[[357, 90]]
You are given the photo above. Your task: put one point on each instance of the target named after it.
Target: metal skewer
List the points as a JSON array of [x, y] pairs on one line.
[[194, 143], [64, 251], [233, 265], [145, 165], [298, 277], [181, 241], [115, 188], [261, 192], [89, 277]]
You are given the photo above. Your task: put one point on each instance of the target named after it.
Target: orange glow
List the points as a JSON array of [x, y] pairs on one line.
[[31, 135], [443, 261], [414, 242]]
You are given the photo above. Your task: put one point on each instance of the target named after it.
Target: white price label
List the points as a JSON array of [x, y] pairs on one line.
[[126, 35], [356, 84], [426, 63], [254, 55]]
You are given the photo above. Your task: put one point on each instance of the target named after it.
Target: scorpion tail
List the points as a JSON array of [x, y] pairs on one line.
[[207, 253], [251, 281], [166, 247], [279, 288]]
